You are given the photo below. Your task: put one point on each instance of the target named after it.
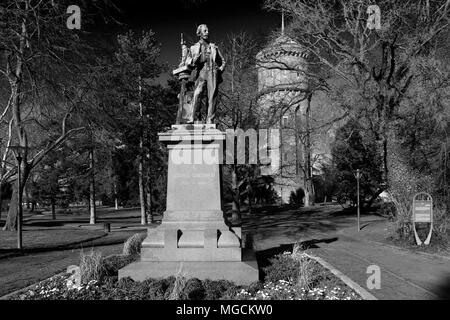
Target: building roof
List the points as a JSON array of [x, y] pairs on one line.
[[282, 45]]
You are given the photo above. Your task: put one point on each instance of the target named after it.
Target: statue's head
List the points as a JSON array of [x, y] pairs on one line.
[[202, 31]]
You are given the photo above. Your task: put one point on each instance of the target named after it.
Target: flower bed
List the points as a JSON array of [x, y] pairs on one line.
[[289, 277]]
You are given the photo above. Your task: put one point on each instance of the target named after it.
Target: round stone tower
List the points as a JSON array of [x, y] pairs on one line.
[[282, 83], [282, 66]]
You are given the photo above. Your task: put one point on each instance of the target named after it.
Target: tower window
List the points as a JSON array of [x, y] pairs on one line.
[[285, 121]]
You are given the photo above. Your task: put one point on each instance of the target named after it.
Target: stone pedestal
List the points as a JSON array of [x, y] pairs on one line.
[[193, 238]]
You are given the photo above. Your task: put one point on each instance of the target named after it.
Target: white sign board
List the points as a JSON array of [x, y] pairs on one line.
[[422, 213]]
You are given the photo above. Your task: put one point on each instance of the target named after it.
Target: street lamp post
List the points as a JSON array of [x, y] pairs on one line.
[[358, 176], [19, 193]]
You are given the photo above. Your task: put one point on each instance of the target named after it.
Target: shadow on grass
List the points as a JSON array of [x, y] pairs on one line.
[[363, 226], [443, 290], [46, 223], [263, 257], [10, 253], [80, 220], [290, 225]]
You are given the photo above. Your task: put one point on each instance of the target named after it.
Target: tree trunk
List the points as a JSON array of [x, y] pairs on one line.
[[141, 192], [53, 209], [27, 198], [116, 200], [385, 160], [307, 198], [235, 208], [1, 201], [235, 212], [15, 79], [149, 198], [11, 219], [250, 198], [92, 208], [382, 139], [309, 190], [150, 206], [141, 161]]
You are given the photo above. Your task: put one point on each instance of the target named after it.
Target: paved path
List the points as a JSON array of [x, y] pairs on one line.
[[332, 236], [404, 275]]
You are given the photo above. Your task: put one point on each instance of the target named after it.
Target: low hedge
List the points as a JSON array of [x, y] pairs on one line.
[[281, 283]]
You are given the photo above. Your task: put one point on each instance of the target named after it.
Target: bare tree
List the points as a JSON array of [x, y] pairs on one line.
[[288, 83], [237, 104], [38, 59], [371, 68]]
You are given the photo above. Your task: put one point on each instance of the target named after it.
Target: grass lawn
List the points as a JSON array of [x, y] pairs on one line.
[[19, 272], [35, 240], [52, 245], [439, 243], [34, 265], [440, 248]]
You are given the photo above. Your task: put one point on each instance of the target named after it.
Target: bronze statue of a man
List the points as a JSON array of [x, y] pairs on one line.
[[208, 64]]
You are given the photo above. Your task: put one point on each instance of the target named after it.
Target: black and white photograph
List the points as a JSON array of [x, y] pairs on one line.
[[223, 155]]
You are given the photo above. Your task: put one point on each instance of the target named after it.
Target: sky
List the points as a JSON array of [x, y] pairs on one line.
[[169, 18]]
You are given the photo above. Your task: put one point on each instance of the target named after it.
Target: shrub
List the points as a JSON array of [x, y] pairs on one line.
[[176, 289], [306, 271], [125, 282], [215, 289], [91, 266], [133, 244], [159, 288], [113, 263], [318, 277], [254, 287], [150, 289], [231, 293], [388, 209], [110, 281], [297, 196], [283, 267], [131, 203], [124, 289], [280, 290], [441, 223], [299, 246], [193, 290], [404, 183]]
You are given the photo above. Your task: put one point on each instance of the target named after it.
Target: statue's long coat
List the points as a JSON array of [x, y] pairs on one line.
[[216, 58]]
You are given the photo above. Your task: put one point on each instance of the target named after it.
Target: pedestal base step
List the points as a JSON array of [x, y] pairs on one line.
[[240, 272]]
